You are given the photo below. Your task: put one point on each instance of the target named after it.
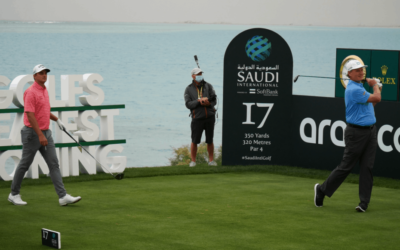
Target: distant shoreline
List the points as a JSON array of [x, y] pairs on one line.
[[192, 22]]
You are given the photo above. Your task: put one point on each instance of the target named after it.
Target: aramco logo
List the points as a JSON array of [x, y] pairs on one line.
[[258, 48]]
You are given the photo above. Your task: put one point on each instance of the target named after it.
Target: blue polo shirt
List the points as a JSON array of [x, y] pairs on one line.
[[358, 110]]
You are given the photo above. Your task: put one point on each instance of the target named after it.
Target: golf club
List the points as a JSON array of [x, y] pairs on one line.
[[119, 176], [197, 61], [297, 77]]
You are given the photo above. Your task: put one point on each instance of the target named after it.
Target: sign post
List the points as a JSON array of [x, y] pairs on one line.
[[51, 238], [258, 73]]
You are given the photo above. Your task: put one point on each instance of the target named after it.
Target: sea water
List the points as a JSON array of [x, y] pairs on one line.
[[147, 68]]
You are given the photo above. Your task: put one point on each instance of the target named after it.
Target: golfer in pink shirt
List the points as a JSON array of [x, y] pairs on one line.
[[36, 135]]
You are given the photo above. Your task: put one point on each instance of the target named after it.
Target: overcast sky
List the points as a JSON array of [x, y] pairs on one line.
[[369, 13]]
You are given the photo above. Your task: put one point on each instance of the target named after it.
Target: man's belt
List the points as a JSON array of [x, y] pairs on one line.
[[361, 127]]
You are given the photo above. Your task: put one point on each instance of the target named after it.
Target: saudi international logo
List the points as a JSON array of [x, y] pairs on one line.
[[258, 48]]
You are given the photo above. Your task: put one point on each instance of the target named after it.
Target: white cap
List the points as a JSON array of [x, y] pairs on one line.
[[354, 64], [195, 71], [39, 67]]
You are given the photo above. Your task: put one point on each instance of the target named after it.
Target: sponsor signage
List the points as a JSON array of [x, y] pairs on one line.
[[382, 64], [258, 73], [385, 67], [77, 119], [264, 124], [318, 129], [51, 238]]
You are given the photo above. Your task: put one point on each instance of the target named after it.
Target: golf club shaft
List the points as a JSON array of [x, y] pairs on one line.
[[324, 77], [327, 77], [197, 61], [88, 153]]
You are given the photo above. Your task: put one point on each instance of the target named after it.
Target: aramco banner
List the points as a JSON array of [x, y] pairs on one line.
[[264, 124], [258, 73], [318, 128], [79, 120]]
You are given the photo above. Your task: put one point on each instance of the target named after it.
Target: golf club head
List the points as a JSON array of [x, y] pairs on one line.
[[119, 176], [295, 79]]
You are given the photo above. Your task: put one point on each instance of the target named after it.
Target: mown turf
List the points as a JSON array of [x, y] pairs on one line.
[[241, 210], [205, 169]]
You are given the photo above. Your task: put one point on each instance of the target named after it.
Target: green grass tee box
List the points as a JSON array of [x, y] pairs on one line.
[[204, 211]]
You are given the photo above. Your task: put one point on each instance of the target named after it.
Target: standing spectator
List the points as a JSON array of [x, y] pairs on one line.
[[200, 98]]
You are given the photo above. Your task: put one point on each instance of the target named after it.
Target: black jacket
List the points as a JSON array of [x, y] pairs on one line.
[[191, 96]]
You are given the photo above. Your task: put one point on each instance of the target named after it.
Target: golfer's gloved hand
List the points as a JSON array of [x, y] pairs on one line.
[[378, 82], [60, 124]]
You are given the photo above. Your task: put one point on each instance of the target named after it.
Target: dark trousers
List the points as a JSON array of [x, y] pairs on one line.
[[30, 145], [360, 147], [198, 125]]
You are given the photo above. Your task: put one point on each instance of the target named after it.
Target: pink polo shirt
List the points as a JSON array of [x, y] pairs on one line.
[[37, 101]]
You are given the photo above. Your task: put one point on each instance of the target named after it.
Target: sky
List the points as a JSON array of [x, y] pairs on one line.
[[355, 13]]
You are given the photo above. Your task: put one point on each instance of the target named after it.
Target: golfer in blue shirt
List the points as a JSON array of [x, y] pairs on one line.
[[359, 136]]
